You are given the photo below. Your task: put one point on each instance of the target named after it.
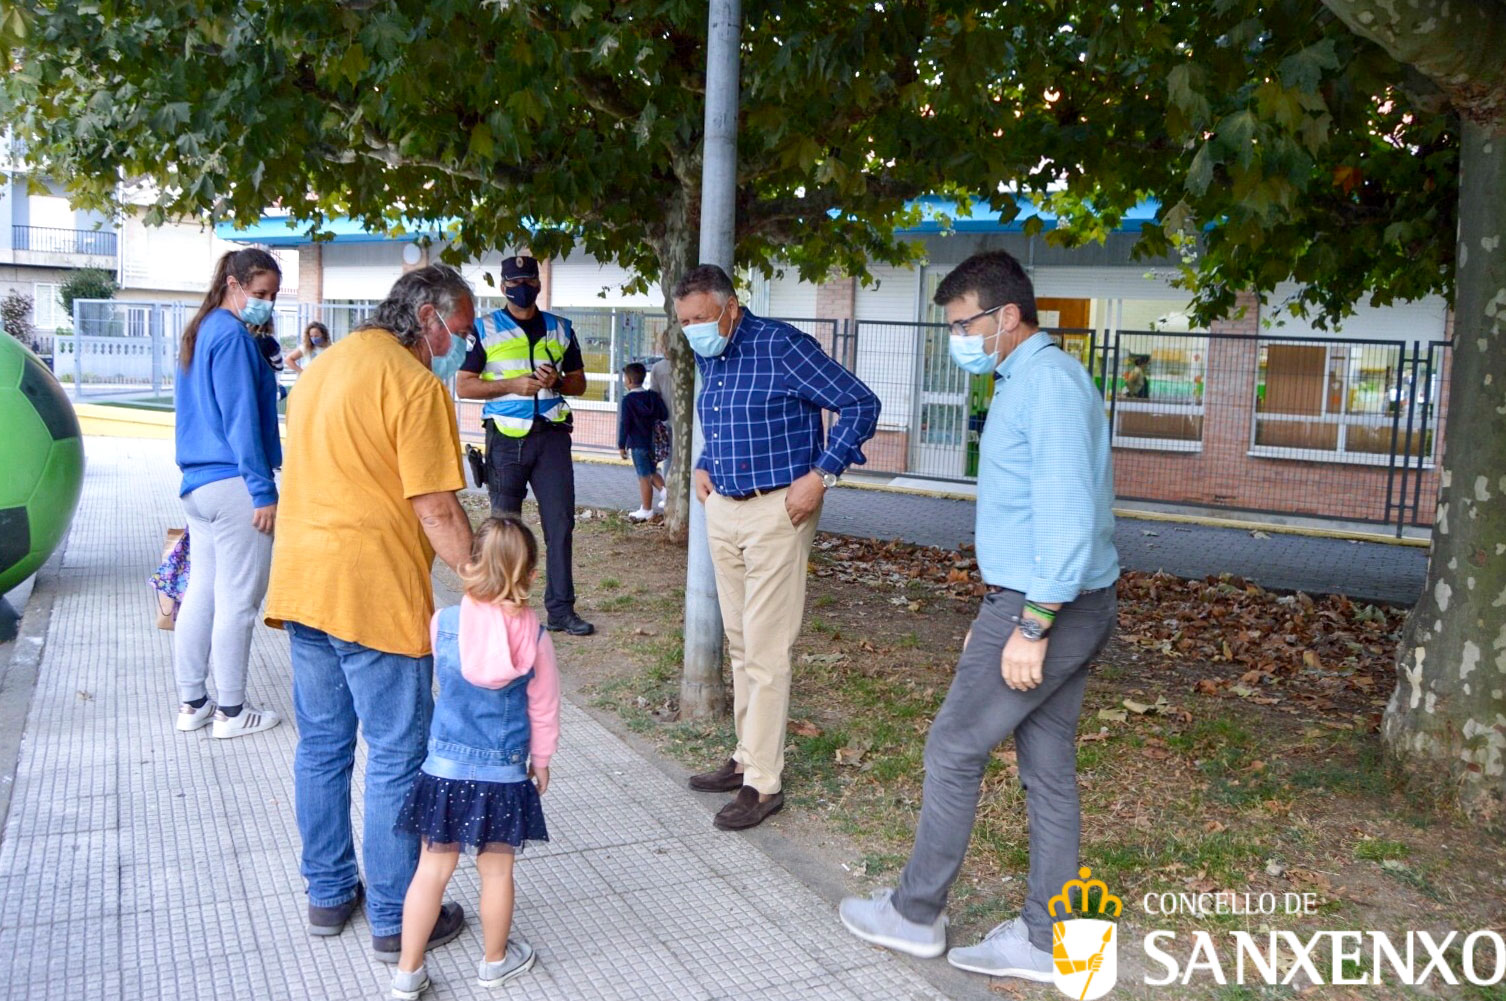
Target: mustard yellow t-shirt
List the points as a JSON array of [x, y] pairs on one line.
[[368, 428]]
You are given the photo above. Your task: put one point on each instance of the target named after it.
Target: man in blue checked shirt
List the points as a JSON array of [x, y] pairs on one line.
[[1045, 538], [762, 476]]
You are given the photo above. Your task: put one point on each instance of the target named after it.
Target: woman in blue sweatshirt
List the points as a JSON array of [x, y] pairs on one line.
[[228, 448]]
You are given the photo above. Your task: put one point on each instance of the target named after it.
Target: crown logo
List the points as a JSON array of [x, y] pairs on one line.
[[1084, 887]]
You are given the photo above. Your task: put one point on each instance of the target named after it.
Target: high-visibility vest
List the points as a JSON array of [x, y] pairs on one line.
[[509, 355]]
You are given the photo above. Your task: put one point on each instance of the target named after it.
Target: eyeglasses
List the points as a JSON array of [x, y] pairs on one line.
[[959, 327]]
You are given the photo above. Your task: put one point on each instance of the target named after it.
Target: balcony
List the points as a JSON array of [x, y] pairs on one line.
[[63, 242]]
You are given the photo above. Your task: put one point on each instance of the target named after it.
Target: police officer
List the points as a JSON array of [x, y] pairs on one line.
[[523, 362]]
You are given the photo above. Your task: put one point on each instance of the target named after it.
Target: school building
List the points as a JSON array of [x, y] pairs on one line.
[[1261, 412]]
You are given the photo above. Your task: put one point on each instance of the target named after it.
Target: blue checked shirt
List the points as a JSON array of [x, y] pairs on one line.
[[760, 408], [1046, 478]]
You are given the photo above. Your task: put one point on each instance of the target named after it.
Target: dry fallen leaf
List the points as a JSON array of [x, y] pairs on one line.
[[851, 756], [802, 728], [1114, 715], [1141, 708]]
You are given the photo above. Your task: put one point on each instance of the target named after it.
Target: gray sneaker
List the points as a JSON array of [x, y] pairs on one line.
[[875, 919], [1005, 952], [517, 961], [408, 986]]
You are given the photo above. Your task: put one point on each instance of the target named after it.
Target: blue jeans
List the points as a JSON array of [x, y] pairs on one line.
[[338, 685]]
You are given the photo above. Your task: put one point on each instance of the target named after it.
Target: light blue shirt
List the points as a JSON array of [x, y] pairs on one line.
[[1046, 478]]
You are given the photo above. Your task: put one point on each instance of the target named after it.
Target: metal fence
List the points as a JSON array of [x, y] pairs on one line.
[[49, 240], [1346, 429], [122, 351]]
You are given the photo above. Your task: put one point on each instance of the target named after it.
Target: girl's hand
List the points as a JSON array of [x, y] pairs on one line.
[[540, 778]]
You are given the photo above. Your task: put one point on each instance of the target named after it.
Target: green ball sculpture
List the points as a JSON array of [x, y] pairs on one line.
[[41, 463]]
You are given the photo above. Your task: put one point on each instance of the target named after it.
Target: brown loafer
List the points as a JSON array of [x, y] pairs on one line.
[[748, 810], [725, 779]]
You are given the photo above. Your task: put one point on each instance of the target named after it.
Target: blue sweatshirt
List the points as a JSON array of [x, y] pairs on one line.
[[637, 413], [227, 411]]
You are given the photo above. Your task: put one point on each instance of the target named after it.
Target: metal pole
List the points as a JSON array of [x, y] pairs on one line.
[[703, 616]]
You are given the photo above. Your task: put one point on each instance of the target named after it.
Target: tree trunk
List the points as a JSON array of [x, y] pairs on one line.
[[1446, 721], [674, 260], [703, 693]]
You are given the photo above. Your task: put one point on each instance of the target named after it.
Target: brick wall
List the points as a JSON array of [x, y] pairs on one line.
[[311, 272], [1224, 474], [836, 299]]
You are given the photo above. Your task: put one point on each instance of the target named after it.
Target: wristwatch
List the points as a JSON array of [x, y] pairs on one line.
[[1033, 630], [828, 479]]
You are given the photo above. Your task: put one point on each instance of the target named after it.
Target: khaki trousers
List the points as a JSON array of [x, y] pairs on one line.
[[760, 561]]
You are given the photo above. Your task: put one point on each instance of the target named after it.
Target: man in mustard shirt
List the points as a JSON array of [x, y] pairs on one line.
[[371, 467]]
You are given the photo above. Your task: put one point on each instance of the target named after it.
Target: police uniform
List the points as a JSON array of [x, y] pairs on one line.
[[528, 437]]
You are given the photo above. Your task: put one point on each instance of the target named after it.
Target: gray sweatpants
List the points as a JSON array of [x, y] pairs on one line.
[[980, 711], [227, 578]]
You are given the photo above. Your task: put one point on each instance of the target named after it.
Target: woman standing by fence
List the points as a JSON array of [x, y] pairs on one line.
[[227, 449], [315, 339]]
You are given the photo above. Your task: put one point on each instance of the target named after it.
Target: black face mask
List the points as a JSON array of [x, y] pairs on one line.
[[522, 296]]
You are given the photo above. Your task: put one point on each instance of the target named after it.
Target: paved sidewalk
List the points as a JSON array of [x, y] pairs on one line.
[[1366, 571], [138, 862]]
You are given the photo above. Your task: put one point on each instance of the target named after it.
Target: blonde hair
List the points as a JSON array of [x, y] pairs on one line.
[[502, 562]]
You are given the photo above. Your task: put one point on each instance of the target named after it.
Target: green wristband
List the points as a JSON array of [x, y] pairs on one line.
[[1044, 613]]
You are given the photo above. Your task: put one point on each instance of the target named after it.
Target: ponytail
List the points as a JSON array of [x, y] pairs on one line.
[[243, 265]]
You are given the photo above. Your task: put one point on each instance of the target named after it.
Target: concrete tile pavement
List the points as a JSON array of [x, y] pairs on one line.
[[140, 862]]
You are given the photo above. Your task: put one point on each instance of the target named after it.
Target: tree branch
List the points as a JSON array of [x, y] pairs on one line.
[[1457, 45]]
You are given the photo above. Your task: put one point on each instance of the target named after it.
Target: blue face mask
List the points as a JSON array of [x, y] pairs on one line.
[[706, 338], [522, 296], [255, 312], [448, 364], [968, 354]]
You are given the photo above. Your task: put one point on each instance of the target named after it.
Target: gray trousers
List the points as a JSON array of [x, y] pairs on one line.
[[980, 711], [227, 578]]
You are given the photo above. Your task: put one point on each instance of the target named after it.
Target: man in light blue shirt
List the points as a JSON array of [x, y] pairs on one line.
[[1046, 553]]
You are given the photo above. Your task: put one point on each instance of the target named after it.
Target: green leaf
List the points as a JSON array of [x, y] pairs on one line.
[[1200, 173], [13, 23], [481, 141], [354, 64], [1180, 87], [1304, 70]]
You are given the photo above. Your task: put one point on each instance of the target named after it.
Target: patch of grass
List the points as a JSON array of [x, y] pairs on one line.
[[825, 601], [1354, 765], [878, 863], [1089, 757], [820, 626], [609, 583], [1417, 880], [617, 603], [910, 641], [1380, 849]]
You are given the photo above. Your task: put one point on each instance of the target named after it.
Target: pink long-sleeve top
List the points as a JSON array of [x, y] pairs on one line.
[[498, 645]]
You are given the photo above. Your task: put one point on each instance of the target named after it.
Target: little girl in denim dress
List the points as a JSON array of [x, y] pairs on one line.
[[495, 727]]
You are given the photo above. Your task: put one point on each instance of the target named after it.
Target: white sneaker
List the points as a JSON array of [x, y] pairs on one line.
[[1005, 951], [250, 720], [642, 514], [875, 919], [191, 719], [659, 499]]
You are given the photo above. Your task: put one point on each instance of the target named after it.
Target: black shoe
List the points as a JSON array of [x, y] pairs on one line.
[[725, 779], [331, 920], [389, 948], [747, 810], [572, 624]]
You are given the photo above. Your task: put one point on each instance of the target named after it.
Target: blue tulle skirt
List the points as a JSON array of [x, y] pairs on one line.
[[476, 815]]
